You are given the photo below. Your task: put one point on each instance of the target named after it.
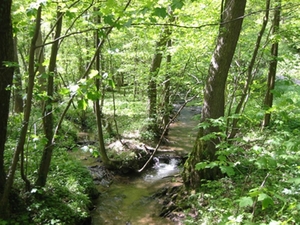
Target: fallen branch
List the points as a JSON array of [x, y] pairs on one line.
[[166, 128]]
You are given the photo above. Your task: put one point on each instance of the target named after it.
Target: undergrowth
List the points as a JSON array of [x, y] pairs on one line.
[[64, 200], [261, 186]]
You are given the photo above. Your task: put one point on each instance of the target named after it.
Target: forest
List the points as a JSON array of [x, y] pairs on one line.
[[92, 91]]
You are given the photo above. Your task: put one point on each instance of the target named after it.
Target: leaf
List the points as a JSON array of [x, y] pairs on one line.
[[93, 73], [82, 104], [111, 83], [64, 91], [294, 180], [128, 23], [245, 201], [228, 170], [108, 19], [93, 95], [212, 164], [201, 165], [160, 12], [177, 4], [265, 199]]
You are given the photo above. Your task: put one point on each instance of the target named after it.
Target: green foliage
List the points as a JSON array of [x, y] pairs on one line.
[[65, 198], [261, 186]]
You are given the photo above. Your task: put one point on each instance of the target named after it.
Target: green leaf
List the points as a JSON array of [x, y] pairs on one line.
[[177, 4], [10, 64], [212, 164], [82, 104], [265, 199], [108, 20], [93, 73], [160, 12], [201, 165], [128, 23], [255, 192], [294, 180], [64, 91], [228, 170], [93, 95], [111, 83], [245, 201]]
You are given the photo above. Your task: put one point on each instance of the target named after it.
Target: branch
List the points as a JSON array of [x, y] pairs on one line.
[[101, 43], [166, 128], [213, 23]]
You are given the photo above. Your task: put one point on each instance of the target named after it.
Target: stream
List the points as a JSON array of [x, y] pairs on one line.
[[128, 200]]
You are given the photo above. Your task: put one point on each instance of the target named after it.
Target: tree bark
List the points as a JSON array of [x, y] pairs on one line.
[[214, 93], [6, 77], [98, 107], [48, 110], [20, 145], [40, 58], [166, 115], [18, 104], [268, 101], [161, 45]]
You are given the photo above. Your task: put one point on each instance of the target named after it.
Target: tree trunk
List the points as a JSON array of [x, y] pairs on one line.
[[268, 102], [48, 110], [98, 107], [20, 145], [18, 104], [152, 85], [214, 94], [40, 58], [6, 77], [250, 76], [166, 115]]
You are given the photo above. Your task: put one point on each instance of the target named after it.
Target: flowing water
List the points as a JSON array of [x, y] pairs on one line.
[[128, 200]]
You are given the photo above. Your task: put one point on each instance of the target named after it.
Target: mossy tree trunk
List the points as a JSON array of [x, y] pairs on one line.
[[214, 93]]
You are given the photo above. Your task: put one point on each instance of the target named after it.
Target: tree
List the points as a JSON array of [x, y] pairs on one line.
[[268, 101], [98, 107], [250, 76], [214, 94], [6, 77], [160, 47], [48, 108], [18, 104]]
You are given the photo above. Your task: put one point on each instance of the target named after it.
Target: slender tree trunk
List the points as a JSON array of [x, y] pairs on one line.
[[6, 77], [152, 90], [48, 110], [152, 85], [40, 57], [166, 115], [98, 108], [214, 94], [268, 102], [18, 104], [250, 76], [27, 111]]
